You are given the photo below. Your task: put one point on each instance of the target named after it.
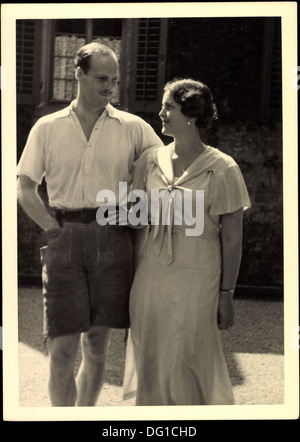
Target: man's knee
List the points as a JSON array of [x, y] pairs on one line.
[[95, 341], [63, 351]]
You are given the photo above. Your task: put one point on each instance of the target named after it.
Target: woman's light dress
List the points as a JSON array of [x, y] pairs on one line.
[[174, 353]]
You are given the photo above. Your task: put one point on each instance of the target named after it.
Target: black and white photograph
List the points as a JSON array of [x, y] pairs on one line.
[[149, 222]]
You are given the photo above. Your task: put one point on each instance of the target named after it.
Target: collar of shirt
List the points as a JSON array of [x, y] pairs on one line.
[[109, 111]]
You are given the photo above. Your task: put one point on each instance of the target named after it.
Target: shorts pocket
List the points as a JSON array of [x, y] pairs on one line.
[[54, 235], [43, 254], [57, 257]]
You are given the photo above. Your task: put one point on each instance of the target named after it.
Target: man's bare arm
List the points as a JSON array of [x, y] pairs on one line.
[[33, 205]]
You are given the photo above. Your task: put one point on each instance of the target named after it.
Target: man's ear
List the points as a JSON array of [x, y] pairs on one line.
[[78, 73]]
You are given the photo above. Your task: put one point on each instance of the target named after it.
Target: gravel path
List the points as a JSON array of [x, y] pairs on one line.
[[253, 350]]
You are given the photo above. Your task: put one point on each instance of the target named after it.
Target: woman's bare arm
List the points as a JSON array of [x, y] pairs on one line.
[[231, 239]]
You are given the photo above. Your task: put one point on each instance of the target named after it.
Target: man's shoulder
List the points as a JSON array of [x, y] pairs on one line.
[[53, 117], [127, 117]]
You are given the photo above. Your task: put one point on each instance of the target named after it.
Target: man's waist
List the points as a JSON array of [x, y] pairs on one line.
[[85, 215]]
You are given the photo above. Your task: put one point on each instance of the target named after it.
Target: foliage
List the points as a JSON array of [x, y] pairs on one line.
[[257, 148], [224, 53]]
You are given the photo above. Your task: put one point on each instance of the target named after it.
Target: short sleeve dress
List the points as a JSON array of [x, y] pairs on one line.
[[174, 352]]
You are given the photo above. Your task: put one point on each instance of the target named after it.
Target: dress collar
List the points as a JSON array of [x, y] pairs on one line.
[[166, 155]]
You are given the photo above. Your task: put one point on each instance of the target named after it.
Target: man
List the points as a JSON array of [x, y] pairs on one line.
[[87, 267]]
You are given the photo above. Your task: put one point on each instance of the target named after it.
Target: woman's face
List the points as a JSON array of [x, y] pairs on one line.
[[173, 120]]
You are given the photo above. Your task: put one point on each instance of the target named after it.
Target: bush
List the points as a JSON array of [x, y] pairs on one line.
[[257, 148]]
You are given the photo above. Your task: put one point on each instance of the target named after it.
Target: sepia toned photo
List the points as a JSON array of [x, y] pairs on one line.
[[149, 179]]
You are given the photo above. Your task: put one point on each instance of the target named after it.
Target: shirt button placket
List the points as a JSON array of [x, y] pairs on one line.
[[89, 158]]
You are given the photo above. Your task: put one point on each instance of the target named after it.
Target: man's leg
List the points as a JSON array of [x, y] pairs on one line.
[[62, 387], [90, 379]]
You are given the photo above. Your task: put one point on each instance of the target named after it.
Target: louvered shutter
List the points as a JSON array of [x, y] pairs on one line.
[[27, 60], [148, 58]]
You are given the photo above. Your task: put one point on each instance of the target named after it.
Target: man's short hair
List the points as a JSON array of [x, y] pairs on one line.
[[83, 55]]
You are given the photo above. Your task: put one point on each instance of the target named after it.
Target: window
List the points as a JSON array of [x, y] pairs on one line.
[[46, 50], [69, 36]]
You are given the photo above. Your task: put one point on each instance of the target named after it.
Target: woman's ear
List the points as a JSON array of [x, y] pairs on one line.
[[191, 121]]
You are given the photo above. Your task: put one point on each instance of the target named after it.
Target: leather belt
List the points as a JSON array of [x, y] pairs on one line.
[[80, 216]]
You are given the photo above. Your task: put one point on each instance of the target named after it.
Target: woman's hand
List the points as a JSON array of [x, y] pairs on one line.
[[225, 310]]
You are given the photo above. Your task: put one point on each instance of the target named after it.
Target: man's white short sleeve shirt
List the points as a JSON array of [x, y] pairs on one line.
[[75, 168]]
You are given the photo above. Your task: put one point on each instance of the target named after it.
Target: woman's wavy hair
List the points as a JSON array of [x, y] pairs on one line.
[[195, 99]]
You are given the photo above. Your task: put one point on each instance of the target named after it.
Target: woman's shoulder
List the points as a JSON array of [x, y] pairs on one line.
[[222, 160]]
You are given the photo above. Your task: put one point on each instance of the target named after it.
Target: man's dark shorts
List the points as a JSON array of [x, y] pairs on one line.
[[87, 275]]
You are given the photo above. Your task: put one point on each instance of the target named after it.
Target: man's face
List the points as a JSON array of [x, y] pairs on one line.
[[99, 84]]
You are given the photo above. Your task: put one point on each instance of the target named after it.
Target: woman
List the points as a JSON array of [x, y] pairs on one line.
[[185, 280]]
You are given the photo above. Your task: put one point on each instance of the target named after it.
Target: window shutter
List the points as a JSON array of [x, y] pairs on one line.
[[148, 64], [27, 59]]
